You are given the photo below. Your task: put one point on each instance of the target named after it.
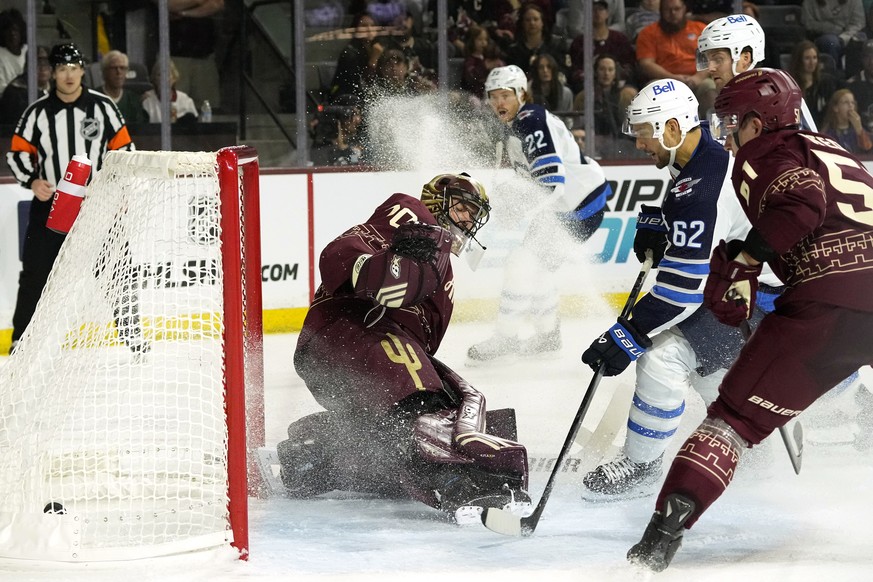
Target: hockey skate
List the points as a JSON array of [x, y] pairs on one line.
[[663, 535], [464, 500], [493, 349], [542, 344], [622, 479]]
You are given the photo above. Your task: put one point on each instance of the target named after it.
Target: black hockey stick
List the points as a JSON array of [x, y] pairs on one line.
[[793, 439], [506, 522]]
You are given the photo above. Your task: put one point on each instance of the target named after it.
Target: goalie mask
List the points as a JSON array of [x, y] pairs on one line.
[[460, 205]]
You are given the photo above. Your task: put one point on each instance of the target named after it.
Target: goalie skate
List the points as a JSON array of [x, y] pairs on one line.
[[516, 502], [622, 479]]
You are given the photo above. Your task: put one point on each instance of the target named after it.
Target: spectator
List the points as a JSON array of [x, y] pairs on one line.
[[547, 88], [862, 86], [648, 13], [419, 50], [394, 78], [50, 132], [14, 100], [13, 49], [667, 49], [708, 10], [817, 86], [115, 65], [481, 57], [338, 140], [534, 37], [182, 108], [611, 97], [615, 17], [842, 122], [192, 45], [606, 41], [834, 24], [356, 65]]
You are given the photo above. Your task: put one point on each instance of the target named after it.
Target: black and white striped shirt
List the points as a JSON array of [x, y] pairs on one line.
[[50, 132]]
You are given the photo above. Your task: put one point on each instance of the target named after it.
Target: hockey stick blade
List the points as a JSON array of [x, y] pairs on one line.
[[504, 522], [793, 440]]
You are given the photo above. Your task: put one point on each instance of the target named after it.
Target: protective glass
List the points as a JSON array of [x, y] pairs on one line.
[[721, 126]]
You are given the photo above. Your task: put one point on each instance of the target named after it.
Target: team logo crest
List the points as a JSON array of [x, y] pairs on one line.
[[90, 128], [684, 187]]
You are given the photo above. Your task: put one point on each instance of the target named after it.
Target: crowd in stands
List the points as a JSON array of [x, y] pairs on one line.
[[635, 41], [393, 50]]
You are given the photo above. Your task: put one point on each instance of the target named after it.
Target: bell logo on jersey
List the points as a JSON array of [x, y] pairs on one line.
[[665, 88]]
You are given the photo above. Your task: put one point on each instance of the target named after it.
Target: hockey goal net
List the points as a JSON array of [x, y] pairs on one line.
[[123, 411]]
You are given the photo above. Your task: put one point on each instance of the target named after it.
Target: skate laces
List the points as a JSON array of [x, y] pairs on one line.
[[620, 470]]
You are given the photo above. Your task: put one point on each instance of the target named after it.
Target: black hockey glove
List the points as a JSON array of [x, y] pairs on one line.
[[651, 234], [419, 242], [617, 347]]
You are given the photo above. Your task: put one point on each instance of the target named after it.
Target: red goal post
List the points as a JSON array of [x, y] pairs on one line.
[[134, 396]]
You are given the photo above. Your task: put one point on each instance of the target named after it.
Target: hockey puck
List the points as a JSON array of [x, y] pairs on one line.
[[54, 507]]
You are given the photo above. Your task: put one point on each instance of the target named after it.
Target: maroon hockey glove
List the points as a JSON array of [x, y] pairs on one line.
[[731, 286], [408, 271]]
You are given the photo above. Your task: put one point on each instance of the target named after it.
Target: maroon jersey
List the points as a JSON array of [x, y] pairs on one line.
[[425, 321], [812, 202]]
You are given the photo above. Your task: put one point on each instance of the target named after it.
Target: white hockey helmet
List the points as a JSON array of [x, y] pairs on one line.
[[509, 77], [734, 33], [657, 103]]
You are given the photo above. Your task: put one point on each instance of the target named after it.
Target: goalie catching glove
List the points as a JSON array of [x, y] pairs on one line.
[[616, 348], [409, 270], [731, 285]]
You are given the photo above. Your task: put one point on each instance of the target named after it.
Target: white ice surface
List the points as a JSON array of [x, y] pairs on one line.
[[770, 525]]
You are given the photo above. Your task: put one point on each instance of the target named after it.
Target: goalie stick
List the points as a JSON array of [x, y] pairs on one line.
[[507, 523], [793, 439]]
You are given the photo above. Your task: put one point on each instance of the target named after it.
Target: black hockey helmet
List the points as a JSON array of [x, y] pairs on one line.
[[66, 54]]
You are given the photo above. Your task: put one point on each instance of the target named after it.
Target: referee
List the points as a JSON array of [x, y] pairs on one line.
[[68, 121]]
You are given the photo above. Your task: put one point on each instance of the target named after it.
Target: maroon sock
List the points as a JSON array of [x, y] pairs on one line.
[[704, 466]]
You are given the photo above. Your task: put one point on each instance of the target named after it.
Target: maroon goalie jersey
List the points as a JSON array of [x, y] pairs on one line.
[[812, 202], [424, 320]]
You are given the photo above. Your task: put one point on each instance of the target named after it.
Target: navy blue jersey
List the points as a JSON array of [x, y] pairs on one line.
[[700, 209]]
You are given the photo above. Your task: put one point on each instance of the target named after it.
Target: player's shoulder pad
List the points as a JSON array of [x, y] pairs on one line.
[[403, 208], [530, 118]]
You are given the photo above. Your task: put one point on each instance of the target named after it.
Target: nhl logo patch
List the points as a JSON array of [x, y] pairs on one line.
[[90, 128]]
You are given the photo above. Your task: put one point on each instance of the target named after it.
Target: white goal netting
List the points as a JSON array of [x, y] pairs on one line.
[[113, 435]]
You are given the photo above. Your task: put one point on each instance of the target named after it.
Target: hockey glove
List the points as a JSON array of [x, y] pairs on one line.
[[409, 270], [651, 234], [617, 348], [731, 286]]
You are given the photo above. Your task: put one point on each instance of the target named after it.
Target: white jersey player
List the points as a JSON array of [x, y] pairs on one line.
[[733, 44], [681, 343], [568, 189]]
